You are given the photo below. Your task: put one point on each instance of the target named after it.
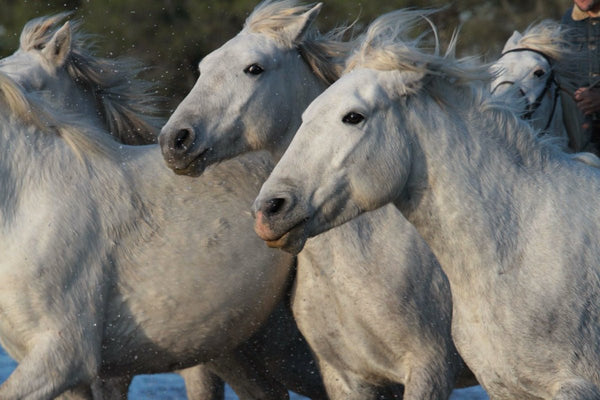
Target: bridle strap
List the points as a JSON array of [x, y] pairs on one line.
[[522, 49]]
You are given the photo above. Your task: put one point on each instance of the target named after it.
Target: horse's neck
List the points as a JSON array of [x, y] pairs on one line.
[[557, 126], [41, 165], [550, 121], [464, 191]]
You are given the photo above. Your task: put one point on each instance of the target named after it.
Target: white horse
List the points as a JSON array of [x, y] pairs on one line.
[[370, 297], [531, 64], [511, 220], [71, 78], [93, 283]]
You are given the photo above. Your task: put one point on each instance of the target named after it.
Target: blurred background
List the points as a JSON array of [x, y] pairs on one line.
[[171, 36]]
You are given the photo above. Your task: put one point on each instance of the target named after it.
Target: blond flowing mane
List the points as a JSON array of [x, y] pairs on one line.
[[26, 107], [324, 53], [389, 45], [129, 104]]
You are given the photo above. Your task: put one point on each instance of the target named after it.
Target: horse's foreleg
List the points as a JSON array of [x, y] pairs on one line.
[[115, 388], [428, 383], [344, 385], [83, 392], [54, 365], [245, 379], [202, 384]]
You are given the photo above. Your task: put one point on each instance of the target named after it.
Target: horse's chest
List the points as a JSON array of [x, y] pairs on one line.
[[337, 313], [499, 360]]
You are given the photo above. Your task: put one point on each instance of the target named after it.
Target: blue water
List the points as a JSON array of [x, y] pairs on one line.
[[143, 387], [171, 387]]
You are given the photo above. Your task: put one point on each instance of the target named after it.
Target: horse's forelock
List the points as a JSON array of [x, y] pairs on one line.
[[324, 53], [271, 17]]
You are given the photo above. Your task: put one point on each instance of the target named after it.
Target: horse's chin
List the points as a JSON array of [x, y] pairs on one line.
[[195, 168], [287, 237], [289, 242]]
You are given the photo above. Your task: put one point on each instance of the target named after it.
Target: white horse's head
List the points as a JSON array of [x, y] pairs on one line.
[[56, 60], [40, 62], [252, 90], [529, 68], [354, 151]]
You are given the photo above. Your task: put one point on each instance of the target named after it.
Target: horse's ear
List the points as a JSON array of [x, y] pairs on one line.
[[512, 41], [298, 29], [59, 47]]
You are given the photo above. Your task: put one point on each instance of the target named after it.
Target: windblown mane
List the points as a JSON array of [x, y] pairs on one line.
[[324, 53], [26, 107], [128, 103], [388, 45]]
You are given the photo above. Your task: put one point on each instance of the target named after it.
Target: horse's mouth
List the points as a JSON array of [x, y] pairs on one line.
[[196, 166], [278, 243], [291, 241]]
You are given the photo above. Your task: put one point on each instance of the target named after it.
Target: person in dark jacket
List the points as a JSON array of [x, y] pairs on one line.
[[583, 34]]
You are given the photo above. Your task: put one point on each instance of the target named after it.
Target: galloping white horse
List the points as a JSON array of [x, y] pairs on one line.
[[532, 62], [370, 297], [511, 220], [109, 92], [94, 281]]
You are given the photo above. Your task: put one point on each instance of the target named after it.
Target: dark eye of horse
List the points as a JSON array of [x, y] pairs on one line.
[[353, 118], [539, 73], [254, 69], [39, 46]]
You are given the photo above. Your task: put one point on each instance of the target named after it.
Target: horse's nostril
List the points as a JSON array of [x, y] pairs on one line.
[[273, 206], [182, 139]]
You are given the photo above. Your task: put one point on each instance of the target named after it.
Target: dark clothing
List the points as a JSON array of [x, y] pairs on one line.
[[584, 37]]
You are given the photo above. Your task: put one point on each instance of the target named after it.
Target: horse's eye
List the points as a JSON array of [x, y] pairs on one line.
[[254, 69], [538, 73], [353, 118], [39, 46]]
